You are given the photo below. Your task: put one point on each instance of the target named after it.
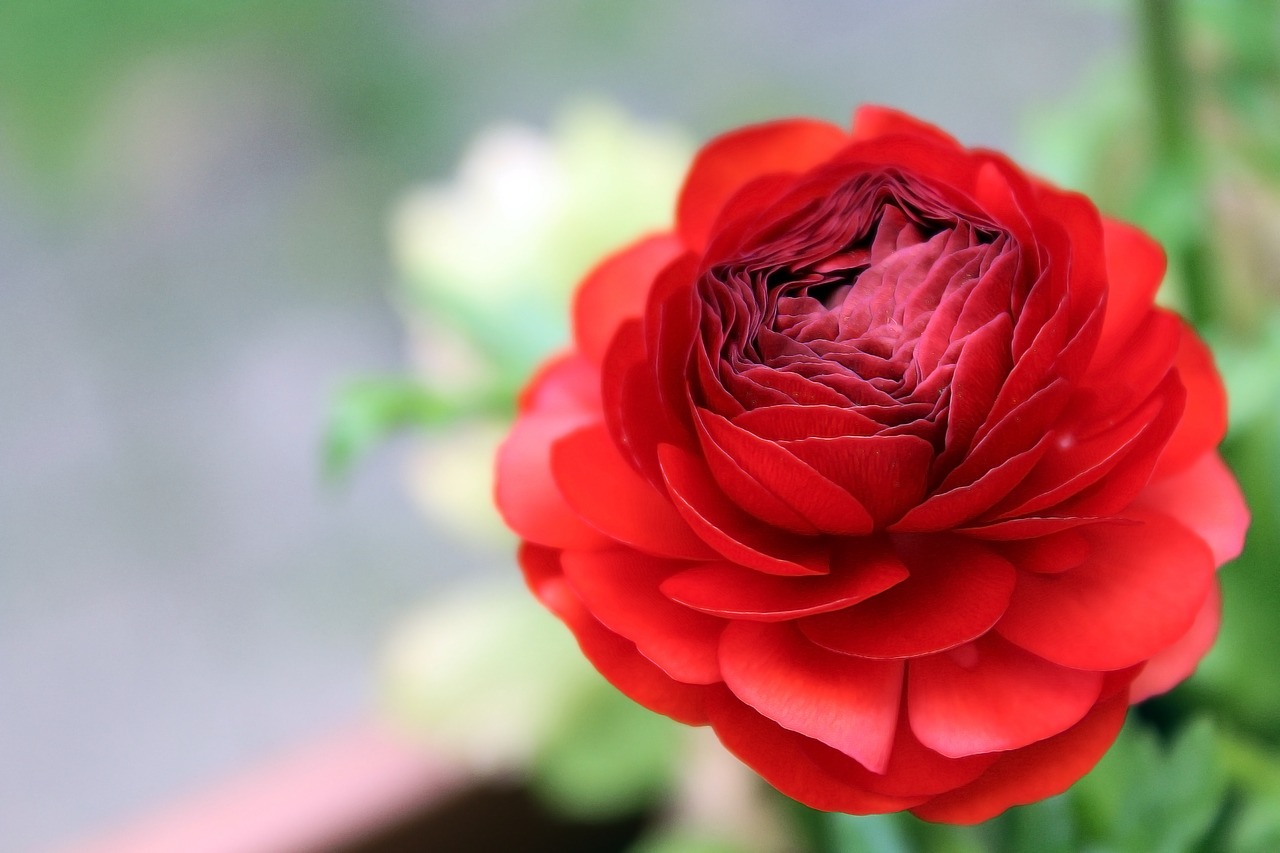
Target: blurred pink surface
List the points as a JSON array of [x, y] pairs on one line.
[[326, 793]]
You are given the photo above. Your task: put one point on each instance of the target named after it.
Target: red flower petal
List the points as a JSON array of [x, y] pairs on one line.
[[1135, 268], [1205, 498], [990, 696], [566, 383], [1139, 591], [610, 496], [616, 290], [1074, 463], [620, 588], [1086, 270], [1017, 431], [944, 510], [730, 161], [849, 704], [1111, 390], [1016, 529], [748, 491], [527, 496], [793, 421], [1174, 663], [826, 506], [871, 121], [670, 328], [1204, 421], [1127, 478], [858, 572], [956, 591], [980, 372], [1007, 196], [624, 667], [948, 172], [540, 567], [887, 474], [635, 415], [1033, 772], [914, 770], [1048, 554], [783, 759], [743, 213], [729, 530]]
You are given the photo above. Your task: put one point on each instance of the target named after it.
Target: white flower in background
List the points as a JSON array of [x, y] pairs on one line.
[[491, 257], [460, 666], [482, 236], [529, 210]]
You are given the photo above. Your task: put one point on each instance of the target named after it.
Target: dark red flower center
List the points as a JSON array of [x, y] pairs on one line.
[[862, 299]]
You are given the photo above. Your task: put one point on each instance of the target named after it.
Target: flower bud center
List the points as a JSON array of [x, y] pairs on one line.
[[863, 298]]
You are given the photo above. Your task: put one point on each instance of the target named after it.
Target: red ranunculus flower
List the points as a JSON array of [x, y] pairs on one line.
[[884, 465]]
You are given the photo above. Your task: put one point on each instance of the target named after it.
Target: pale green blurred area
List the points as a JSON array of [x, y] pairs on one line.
[[199, 209]]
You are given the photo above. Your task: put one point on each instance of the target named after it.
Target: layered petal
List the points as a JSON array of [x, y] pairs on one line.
[[847, 703], [526, 492], [606, 492], [956, 591], [1032, 773], [858, 572], [786, 761], [1205, 498], [1135, 269], [990, 696], [617, 290], [872, 121], [1205, 421], [728, 530], [1138, 591], [1175, 663], [620, 588], [727, 163]]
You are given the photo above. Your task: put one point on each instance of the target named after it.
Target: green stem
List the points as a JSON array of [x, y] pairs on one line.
[[1167, 76], [1172, 101]]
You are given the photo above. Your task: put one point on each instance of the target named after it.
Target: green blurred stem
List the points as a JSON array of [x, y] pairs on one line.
[[1172, 99]]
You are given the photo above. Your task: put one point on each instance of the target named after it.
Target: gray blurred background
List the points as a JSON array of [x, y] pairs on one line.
[[194, 202]]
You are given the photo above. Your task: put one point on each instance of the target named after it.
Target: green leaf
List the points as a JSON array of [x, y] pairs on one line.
[[1256, 827], [1142, 798], [367, 411], [1046, 827], [1254, 770]]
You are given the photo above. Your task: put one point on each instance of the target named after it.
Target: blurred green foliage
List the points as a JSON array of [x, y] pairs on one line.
[[676, 841], [61, 61], [607, 756], [365, 412]]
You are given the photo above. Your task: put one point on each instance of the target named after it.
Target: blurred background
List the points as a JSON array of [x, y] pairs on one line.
[[203, 214]]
